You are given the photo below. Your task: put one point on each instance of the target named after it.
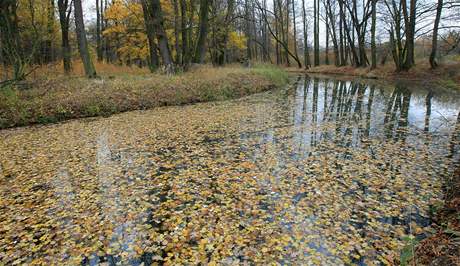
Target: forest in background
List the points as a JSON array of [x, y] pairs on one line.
[[174, 34]]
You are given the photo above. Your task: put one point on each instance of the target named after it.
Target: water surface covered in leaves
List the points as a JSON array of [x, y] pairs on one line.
[[321, 172]]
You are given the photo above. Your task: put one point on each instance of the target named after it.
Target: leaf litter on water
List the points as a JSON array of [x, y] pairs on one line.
[[323, 172]]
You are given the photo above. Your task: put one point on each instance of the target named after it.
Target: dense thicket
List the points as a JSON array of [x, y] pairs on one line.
[[173, 34]]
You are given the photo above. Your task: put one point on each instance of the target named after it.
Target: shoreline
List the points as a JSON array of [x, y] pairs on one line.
[[420, 74], [66, 98]]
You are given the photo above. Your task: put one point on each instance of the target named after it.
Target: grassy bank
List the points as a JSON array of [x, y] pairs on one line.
[[447, 75], [442, 246], [48, 100]]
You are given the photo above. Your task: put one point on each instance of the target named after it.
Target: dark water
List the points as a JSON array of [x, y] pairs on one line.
[[320, 172]]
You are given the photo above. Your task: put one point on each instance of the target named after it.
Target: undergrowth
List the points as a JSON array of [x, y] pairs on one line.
[[49, 100]]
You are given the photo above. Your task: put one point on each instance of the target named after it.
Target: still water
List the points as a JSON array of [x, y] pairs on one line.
[[323, 171]]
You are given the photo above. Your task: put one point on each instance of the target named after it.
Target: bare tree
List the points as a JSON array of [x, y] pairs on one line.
[[306, 55], [64, 10], [98, 30], [200, 49], [294, 26], [90, 70], [176, 32], [373, 26], [316, 32], [402, 32], [360, 27], [281, 42], [48, 43], [410, 32], [434, 43], [184, 32], [332, 18]]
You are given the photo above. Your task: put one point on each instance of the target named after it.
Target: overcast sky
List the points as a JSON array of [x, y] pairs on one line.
[[89, 7]]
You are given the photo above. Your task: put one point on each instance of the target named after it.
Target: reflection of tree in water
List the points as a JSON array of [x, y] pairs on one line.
[[326, 88], [429, 96], [369, 112], [350, 112], [314, 111], [397, 113], [304, 110], [455, 138]]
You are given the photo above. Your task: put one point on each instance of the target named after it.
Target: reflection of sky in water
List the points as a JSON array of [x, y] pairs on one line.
[[314, 99]]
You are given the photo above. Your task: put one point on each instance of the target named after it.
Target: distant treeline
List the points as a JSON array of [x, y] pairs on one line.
[[173, 34]]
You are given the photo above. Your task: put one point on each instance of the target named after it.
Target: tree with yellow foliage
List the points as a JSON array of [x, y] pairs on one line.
[[126, 30]]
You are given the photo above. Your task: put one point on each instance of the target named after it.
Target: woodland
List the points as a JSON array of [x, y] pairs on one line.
[[173, 35]]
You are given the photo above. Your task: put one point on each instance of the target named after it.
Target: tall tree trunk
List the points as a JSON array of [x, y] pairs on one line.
[[306, 54], [315, 61], [410, 33], [102, 8], [223, 57], [359, 26], [263, 35], [266, 38], [327, 40], [351, 39], [341, 35], [191, 26], [373, 46], [50, 31], [183, 25], [434, 42], [157, 21], [98, 32], [200, 50], [104, 39], [253, 32], [281, 31], [362, 50], [294, 28], [286, 54], [248, 31], [64, 19], [282, 43], [2, 60], [332, 30], [277, 47], [90, 71], [149, 27], [176, 32], [316, 32]]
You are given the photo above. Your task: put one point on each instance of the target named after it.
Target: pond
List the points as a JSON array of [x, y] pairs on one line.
[[324, 171]]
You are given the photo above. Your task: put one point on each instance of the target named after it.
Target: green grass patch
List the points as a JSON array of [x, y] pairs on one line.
[[275, 74]]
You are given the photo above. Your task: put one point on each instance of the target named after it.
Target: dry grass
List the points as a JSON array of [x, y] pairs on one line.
[[56, 69], [52, 98]]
